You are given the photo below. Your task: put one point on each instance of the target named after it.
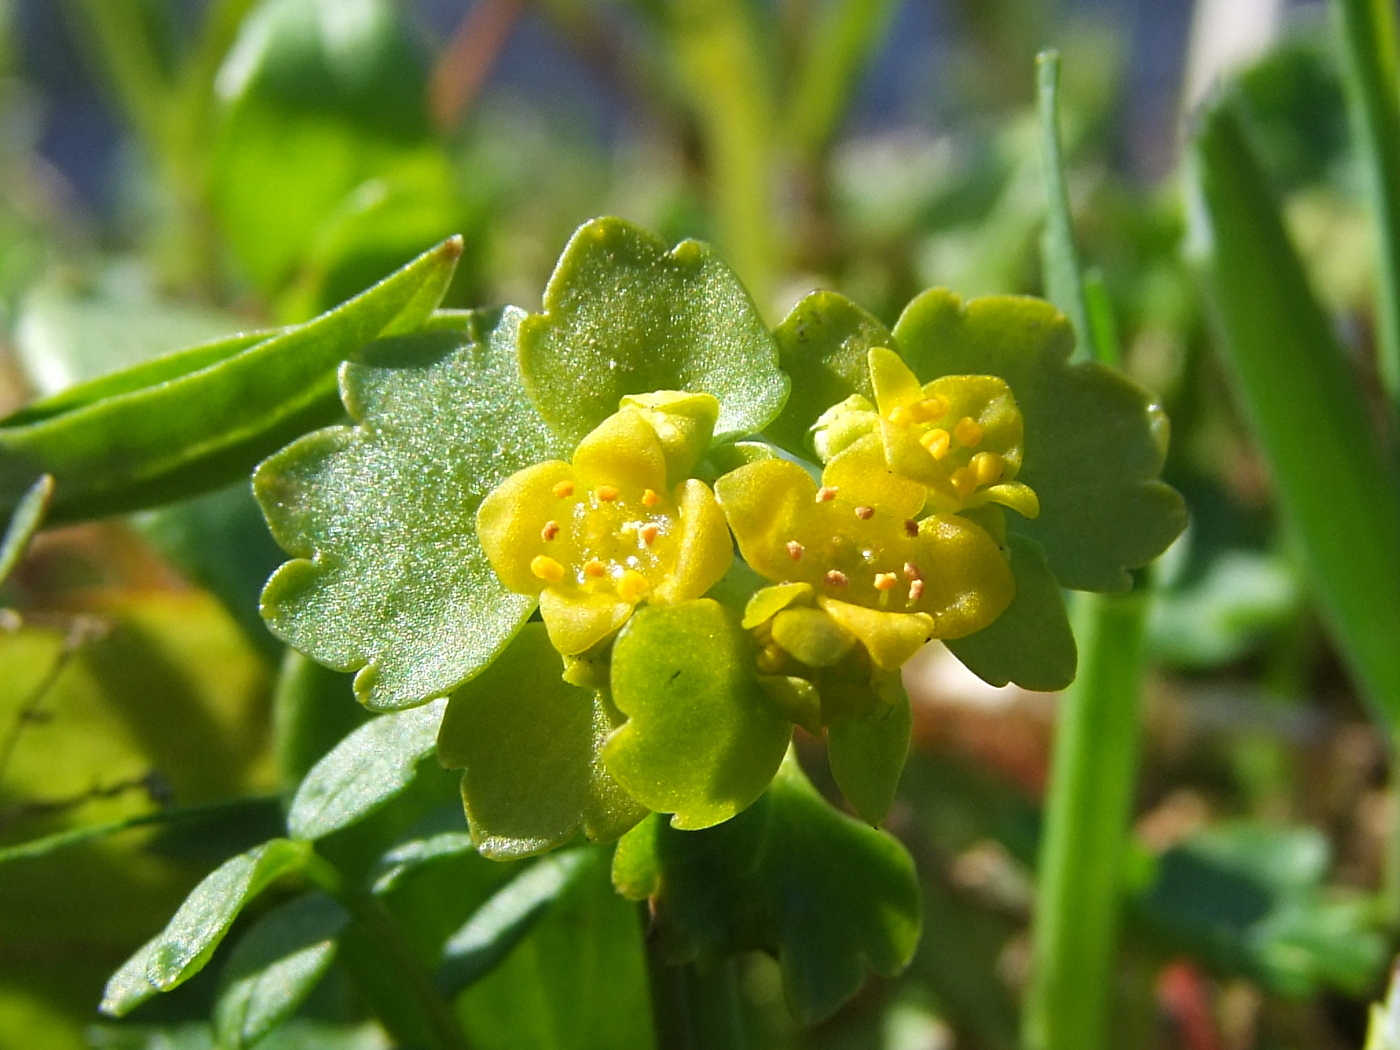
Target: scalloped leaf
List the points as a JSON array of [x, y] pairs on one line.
[[702, 739], [529, 743], [829, 896], [1031, 643], [823, 345], [181, 950], [625, 315], [1095, 441], [364, 771], [390, 579], [867, 754]]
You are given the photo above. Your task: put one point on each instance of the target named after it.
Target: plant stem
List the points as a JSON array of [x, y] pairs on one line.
[[377, 921], [1367, 30], [1079, 881], [699, 1008]]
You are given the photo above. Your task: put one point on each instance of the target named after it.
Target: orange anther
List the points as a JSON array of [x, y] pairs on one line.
[[912, 571], [594, 568], [916, 590], [794, 550], [865, 513], [650, 498], [649, 532], [564, 489], [550, 530], [825, 493], [884, 581], [606, 493], [836, 578]]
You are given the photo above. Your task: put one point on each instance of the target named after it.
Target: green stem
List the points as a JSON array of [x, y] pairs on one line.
[[839, 46], [1367, 29], [1079, 880], [699, 1008], [380, 924]]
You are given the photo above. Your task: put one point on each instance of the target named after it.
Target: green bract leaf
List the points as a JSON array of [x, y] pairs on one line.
[[275, 967], [529, 743], [364, 771], [826, 894], [623, 315], [504, 920], [199, 430], [391, 579], [24, 523], [702, 738], [1031, 643], [823, 345], [867, 754], [180, 951], [1094, 440]]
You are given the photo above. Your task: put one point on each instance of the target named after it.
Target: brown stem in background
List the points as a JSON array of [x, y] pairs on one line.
[[475, 48]]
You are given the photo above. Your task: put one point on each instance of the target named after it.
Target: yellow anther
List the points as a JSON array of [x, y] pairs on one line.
[[965, 481], [826, 492], [649, 532], [632, 586], [606, 493], [795, 550], [547, 569], [930, 408], [594, 568], [885, 581], [650, 498], [968, 432], [902, 416], [916, 590], [771, 658], [836, 578], [912, 571], [550, 530], [936, 441], [987, 466], [865, 513], [564, 489]]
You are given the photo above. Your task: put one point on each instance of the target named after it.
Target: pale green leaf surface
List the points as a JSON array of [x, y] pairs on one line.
[[415, 853], [180, 950], [1031, 643], [1094, 440], [390, 578], [200, 430], [632, 317], [529, 744], [506, 918], [867, 754], [364, 771], [702, 739], [27, 519], [275, 966], [829, 896], [823, 346]]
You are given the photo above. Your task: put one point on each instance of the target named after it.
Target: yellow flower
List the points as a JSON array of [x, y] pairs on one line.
[[881, 577], [958, 439], [595, 537]]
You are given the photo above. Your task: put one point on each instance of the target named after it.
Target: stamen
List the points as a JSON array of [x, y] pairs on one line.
[[795, 550], [825, 493], [912, 571], [930, 408], [550, 530], [965, 481], [911, 528], [988, 467], [884, 581], [650, 498], [770, 658], [937, 442], [594, 568], [901, 416], [836, 578], [968, 431], [865, 513], [649, 532], [606, 493], [547, 569], [564, 489], [916, 590], [632, 586]]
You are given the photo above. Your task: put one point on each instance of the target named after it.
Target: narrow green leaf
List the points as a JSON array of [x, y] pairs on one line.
[[180, 951], [842, 40], [828, 895], [624, 315], [1307, 411], [390, 578], [1031, 643], [823, 346], [364, 771], [26, 520], [504, 920], [203, 429], [275, 966], [413, 854], [529, 744], [702, 739], [867, 754]]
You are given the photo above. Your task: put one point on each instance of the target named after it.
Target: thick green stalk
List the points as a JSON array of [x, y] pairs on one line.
[[1367, 30], [699, 1008], [1094, 767], [1079, 877]]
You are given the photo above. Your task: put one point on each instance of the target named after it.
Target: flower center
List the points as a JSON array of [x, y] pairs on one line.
[[607, 540]]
